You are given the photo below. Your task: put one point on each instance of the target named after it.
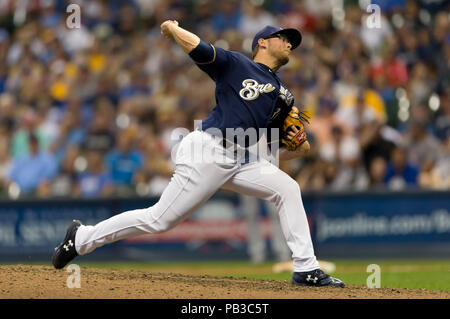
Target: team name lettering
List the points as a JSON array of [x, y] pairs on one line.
[[252, 89], [286, 96]]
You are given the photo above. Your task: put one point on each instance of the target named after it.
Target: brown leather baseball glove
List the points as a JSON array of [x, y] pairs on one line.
[[294, 133]]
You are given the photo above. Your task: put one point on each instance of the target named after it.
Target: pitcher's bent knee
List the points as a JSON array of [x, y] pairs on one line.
[[163, 222], [289, 187], [160, 227]]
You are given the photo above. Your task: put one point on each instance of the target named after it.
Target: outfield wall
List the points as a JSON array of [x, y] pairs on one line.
[[412, 224]]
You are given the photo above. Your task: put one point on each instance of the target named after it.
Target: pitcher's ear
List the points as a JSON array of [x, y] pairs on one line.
[[262, 43]]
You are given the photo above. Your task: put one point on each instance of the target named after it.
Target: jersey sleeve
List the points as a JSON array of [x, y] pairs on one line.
[[211, 59]]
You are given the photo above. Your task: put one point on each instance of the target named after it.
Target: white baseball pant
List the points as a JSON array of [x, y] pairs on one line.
[[196, 178]]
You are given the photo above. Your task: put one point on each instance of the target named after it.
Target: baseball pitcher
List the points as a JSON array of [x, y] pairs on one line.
[[251, 99]]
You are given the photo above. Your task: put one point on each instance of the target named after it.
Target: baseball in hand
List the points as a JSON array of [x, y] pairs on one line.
[[166, 27]]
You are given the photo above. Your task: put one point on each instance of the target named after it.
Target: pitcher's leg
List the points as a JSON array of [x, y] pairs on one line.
[[279, 188], [188, 189], [195, 180]]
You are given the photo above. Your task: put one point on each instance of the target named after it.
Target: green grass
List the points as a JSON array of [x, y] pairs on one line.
[[414, 274]]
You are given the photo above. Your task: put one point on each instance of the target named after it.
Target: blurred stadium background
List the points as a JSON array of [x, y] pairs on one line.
[[87, 115]]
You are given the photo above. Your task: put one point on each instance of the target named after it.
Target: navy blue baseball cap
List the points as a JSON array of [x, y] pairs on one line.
[[294, 36]]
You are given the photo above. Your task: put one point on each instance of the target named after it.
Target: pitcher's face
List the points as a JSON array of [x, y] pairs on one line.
[[279, 47]]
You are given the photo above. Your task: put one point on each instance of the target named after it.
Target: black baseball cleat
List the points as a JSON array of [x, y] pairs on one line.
[[65, 252], [316, 278]]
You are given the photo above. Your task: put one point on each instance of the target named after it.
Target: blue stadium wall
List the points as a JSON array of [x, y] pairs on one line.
[[413, 224]]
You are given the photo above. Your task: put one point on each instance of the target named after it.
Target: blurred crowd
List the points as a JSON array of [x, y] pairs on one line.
[[91, 111]]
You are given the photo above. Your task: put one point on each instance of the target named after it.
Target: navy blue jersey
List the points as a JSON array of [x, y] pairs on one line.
[[248, 94]]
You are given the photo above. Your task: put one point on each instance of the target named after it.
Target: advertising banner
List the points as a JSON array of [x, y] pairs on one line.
[[31, 228], [385, 224], [415, 224]]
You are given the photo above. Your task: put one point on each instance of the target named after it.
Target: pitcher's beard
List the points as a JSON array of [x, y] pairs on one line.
[[281, 60], [282, 57]]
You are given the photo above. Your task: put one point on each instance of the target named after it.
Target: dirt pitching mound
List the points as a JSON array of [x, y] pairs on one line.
[[44, 282]]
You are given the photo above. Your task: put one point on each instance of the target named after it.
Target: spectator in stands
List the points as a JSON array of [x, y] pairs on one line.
[[34, 170], [377, 173], [435, 174], [203, 12], [100, 135], [95, 181], [310, 173], [441, 170], [27, 125], [63, 185], [156, 170], [392, 67], [408, 46], [400, 173], [443, 66], [124, 161], [8, 118], [357, 112], [254, 18], [326, 118], [443, 117], [298, 17], [421, 84], [5, 163], [421, 146], [228, 16], [4, 37], [344, 152], [374, 143], [441, 27], [71, 132], [387, 93]]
